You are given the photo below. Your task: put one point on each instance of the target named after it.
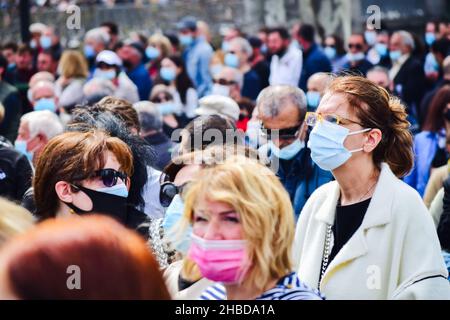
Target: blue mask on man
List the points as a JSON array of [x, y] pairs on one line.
[[186, 40], [21, 146], [313, 99], [231, 60], [89, 51], [171, 221], [381, 49], [288, 152], [45, 42], [152, 53], [45, 104]]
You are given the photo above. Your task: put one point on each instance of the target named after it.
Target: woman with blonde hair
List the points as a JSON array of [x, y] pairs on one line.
[[73, 71], [159, 47], [242, 232], [367, 235], [13, 220]]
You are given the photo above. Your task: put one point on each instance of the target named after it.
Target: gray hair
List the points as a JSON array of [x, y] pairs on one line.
[[273, 99], [379, 69], [149, 116], [237, 75], [98, 35], [244, 45], [407, 38], [43, 122], [98, 87], [43, 84]]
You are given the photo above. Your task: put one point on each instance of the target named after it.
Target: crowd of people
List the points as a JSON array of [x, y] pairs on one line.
[[273, 166]]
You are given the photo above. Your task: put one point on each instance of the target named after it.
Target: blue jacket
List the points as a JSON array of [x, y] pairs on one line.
[[142, 80], [252, 85], [197, 58], [425, 147], [313, 61]]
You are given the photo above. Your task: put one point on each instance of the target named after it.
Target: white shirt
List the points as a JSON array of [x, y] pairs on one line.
[[396, 66], [150, 193], [288, 69]]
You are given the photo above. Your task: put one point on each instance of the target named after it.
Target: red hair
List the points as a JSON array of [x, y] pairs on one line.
[[114, 262]]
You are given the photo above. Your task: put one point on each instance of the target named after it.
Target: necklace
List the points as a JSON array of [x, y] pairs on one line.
[[370, 189]]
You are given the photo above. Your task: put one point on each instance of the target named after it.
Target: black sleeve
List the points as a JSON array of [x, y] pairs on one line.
[[414, 86], [444, 222], [24, 174], [13, 112]]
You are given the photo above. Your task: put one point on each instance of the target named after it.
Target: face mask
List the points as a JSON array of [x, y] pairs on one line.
[[395, 55], [33, 44], [45, 104], [371, 37], [296, 44], [215, 69], [288, 152], [89, 51], [127, 64], [152, 53], [431, 65], [264, 49], [326, 142], [330, 52], [172, 218], [11, 66], [46, 42], [430, 38], [231, 60], [103, 203], [221, 90], [21, 146], [119, 190], [166, 108], [167, 74], [223, 261], [225, 46], [313, 99], [186, 40], [104, 74], [381, 49], [355, 57]]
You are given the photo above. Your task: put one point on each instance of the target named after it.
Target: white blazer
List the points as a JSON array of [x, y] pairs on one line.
[[395, 254]]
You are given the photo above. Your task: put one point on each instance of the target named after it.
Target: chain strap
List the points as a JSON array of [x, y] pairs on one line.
[[326, 253]]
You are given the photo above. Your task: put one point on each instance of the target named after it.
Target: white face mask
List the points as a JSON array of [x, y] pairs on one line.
[[221, 90]]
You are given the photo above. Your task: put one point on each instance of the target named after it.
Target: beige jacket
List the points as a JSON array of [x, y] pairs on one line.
[[395, 254]]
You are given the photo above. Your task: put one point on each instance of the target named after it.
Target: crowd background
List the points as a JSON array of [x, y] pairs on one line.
[[108, 119]]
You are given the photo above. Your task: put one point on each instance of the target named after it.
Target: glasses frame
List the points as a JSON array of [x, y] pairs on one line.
[[164, 199], [321, 117], [116, 175]]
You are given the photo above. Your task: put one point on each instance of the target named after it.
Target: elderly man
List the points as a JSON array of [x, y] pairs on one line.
[[238, 56], [356, 56], [96, 89], [43, 96], [36, 129], [407, 71], [95, 41], [220, 105], [150, 120], [316, 85], [282, 109], [228, 82]]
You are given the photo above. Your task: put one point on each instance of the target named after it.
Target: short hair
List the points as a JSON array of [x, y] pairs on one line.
[[52, 53], [407, 38], [262, 202], [115, 262], [41, 76], [24, 48], [42, 84], [43, 122], [73, 65], [163, 42], [74, 157], [307, 32], [11, 46], [441, 46], [149, 116], [238, 77], [13, 220], [111, 26], [273, 99], [283, 32], [244, 45], [97, 88], [379, 69], [98, 35], [123, 109]]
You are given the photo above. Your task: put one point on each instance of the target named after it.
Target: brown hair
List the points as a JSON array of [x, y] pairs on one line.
[[113, 262], [123, 109], [73, 65], [73, 157], [434, 120], [375, 108]]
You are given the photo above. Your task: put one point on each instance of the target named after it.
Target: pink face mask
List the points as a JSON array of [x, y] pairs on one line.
[[220, 260]]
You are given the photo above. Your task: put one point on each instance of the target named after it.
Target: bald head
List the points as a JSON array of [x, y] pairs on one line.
[[41, 76], [318, 82]]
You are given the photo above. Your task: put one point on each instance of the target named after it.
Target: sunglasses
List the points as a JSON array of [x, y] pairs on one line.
[[168, 191], [160, 99], [283, 134], [109, 176], [103, 65], [225, 82], [356, 46]]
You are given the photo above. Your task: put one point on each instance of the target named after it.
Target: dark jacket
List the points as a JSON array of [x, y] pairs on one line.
[[361, 68], [314, 60], [444, 222], [9, 97], [252, 85], [162, 149]]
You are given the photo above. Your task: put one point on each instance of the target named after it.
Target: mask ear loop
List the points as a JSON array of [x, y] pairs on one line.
[[358, 132]]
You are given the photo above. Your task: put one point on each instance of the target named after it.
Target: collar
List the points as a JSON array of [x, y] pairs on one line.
[[403, 59]]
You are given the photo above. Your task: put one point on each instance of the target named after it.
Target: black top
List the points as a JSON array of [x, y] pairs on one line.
[[347, 220]]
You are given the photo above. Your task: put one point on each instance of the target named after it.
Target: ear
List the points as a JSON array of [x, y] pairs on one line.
[[64, 191], [128, 183], [373, 139]]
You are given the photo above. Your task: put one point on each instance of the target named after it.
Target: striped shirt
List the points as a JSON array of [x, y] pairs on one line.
[[288, 288]]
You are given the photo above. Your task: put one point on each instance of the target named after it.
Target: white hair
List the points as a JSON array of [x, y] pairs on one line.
[[43, 84], [244, 45], [98, 35], [273, 99], [98, 86], [43, 122], [238, 77], [407, 38], [149, 116]]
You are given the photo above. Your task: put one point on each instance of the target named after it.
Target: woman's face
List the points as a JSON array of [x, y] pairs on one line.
[[167, 63], [215, 220]]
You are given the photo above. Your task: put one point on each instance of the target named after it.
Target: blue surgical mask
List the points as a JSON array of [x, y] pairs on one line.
[[215, 69], [89, 51], [166, 108], [231, 60], [186, 40], [104, 74], [431, 64], [395, 55], [21, 146], [33, 44], [45, 41], [11, 66], [171, 220], [152, 53], [330, 52], [225, 46], [313, 99], [381, 49], [45, 104], [167, 74], [355, 57], [264, 49], [326, 142], [371, 37], [430, 38], [220, 90], [288, 152], [119, 190]]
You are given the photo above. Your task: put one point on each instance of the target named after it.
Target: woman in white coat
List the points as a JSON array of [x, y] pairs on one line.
[[366, 235]]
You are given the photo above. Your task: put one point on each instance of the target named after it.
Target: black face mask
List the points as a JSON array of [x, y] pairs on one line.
[[103, 203], [127, 64]]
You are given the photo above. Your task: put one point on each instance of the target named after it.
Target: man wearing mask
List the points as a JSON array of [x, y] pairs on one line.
[[197, 55], [43, 97], [379, 53], [286, 61], [132, 54], [357, 61], [9, 51], [50, 41], [281, 110], [317, 84], [109, 67], [228, 83], [36, 129], [95, 41]]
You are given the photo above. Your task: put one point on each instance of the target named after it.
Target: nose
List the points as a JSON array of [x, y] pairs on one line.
[[213, 231]]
